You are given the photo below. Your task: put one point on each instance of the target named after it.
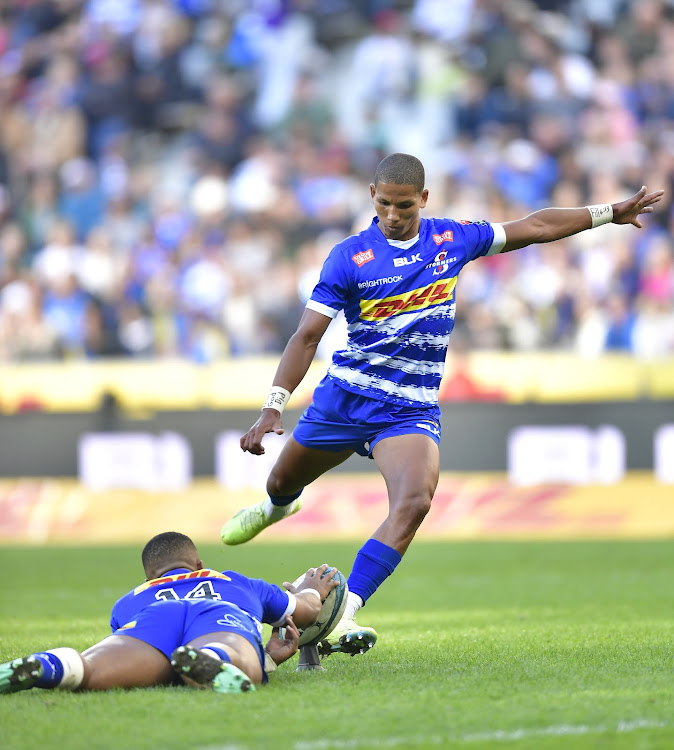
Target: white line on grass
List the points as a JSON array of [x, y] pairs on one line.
[[500, 735]]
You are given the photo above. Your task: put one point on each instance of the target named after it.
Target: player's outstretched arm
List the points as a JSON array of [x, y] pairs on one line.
[[294, 364], [551, 224]]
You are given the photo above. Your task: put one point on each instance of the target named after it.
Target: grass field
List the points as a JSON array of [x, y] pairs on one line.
[[503, 645]]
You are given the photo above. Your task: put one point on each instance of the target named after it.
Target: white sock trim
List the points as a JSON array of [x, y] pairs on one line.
[[353, 604], [278, 511], [206, 650], [73, 667]]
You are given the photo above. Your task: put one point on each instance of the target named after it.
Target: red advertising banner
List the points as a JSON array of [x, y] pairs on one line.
[[346, 506]]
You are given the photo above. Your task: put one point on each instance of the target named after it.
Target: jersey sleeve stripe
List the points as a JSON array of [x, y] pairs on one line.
[[498, 243], [319, 307], [292, 603]]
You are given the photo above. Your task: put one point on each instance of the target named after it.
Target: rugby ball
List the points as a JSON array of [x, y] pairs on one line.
[[330, 614]]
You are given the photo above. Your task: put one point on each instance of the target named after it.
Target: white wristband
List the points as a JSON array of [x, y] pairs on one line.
[[277, 399], [602, 213], [269, 663], [312, 591]]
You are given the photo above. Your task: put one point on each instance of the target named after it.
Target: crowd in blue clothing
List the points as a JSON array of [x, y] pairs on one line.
[[174, 172]]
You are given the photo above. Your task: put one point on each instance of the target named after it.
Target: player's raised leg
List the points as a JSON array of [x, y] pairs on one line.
[[295, 468], [410, 465]]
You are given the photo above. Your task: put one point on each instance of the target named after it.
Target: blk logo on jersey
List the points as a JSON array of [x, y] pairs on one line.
[[363, 257], [447, 236], [416, 258], [441, 263], [418, 299]]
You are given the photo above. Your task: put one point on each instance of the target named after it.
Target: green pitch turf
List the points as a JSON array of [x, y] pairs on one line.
[[482, 645]]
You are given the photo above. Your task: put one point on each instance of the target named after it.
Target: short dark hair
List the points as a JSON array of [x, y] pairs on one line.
[[168, 546], [401, 169]]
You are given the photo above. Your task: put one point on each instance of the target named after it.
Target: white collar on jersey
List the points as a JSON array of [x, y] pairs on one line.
[[404, 244]]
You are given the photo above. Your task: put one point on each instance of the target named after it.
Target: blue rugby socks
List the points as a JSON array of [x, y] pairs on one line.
[[374, 563], [283, 500], [63, 668], [280, 506], [52, 670]]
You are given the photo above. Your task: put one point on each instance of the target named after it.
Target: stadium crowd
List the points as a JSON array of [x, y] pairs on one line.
[[174, 172]]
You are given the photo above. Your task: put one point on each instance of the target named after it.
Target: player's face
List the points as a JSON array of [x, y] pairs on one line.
[[397, 208]]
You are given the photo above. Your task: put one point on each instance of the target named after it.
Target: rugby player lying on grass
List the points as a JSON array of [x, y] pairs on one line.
[[200, 624]]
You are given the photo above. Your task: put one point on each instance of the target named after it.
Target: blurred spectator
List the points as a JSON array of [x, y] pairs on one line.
[[39, 210], [621, 319], [64, 308], [57, 261], [46, 129], [25, 333], [100, 270], [99, 335], [81, 201], [174, 172]]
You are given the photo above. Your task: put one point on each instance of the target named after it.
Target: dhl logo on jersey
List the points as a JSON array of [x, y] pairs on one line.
[[205, 573], [417, 299]]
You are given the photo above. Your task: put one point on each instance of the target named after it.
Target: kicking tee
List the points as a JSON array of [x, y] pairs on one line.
[[263, 601], [399, 302]]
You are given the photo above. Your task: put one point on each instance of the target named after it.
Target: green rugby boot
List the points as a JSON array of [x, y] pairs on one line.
[[348, 638], [231, 679], [205, 671], [20, 674], [249, 522]]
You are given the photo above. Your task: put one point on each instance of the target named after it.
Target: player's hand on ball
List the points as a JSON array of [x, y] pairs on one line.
[[317, 579], [315, 622]]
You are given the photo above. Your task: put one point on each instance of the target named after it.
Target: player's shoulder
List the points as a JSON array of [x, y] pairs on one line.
[[438, 223], [352, 243], [234, 575], [354, 249], [453, 230]]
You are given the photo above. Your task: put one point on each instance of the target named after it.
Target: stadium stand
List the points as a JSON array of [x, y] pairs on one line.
[[174, 172]]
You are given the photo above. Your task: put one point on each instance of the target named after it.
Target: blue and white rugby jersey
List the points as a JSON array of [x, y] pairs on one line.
[[263, 601], [399, 303]]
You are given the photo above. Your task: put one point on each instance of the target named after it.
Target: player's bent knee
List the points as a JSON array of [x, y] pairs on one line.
[[413, 510], [278, 487]]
